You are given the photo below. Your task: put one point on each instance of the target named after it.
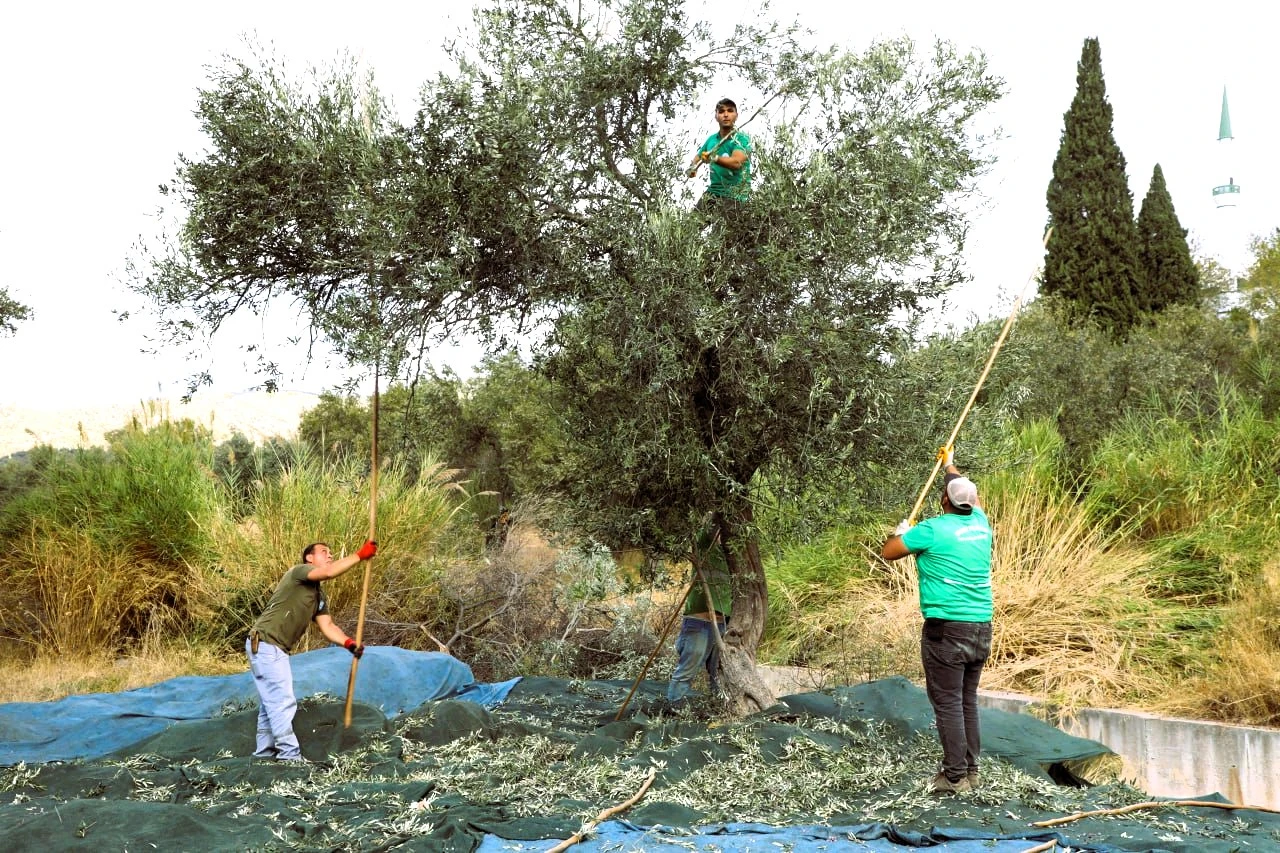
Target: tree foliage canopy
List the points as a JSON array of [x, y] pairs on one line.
[[691, 352], [540, 185], [12, 312], [1092, 260], [311, 192], [1262, 280], [540, 181], [496, 429]]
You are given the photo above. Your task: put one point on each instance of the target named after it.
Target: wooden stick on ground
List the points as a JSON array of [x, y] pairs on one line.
[[603, 816], [1154, 804], [1042, 848]]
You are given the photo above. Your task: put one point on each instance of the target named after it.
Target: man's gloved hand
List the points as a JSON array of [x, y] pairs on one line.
[[367, 550], [903, 527], [355, 648], [947, 454]]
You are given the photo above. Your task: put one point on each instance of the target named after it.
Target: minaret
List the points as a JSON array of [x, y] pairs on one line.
[[1226, 198], [1228, 194]]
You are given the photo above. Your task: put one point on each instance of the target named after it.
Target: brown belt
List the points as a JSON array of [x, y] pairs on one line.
[[253, 642]]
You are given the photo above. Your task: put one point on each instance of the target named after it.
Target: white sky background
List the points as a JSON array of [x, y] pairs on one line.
[[98, 102]]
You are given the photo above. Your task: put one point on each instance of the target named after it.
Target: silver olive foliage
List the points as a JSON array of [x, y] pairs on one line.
[[12, 312]]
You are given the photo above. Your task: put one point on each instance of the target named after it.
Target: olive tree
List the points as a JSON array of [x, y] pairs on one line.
[[541, 188]]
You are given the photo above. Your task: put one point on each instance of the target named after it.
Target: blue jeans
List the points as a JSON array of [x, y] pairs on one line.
[[273, 677], [953, 654], [695, 648]]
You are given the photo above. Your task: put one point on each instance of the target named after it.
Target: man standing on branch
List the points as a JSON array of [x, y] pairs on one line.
[[728, 153], [296, 602], [953, 560]]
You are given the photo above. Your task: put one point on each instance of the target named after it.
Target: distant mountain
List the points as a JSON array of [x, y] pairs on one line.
[[255, 414]]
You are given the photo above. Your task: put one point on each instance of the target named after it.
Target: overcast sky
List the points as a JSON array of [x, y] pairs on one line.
[[99, 101]]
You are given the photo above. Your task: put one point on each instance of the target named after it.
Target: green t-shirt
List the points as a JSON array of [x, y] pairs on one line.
[[294, 604], [716, 570], [725, 182], [953, 559]]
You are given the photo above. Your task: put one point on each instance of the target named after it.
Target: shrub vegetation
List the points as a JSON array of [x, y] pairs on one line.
[[1132, 486]]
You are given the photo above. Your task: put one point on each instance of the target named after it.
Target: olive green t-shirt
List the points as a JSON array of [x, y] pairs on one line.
[[293, 606]]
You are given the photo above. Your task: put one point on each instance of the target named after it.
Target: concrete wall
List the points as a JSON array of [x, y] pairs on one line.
[[1164, 756], [1169, 757]]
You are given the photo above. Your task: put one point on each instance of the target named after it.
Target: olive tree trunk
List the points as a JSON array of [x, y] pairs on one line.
[[745, 691]]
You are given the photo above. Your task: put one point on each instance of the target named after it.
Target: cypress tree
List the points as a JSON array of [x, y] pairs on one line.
[[1092, 259], [1169, 275]]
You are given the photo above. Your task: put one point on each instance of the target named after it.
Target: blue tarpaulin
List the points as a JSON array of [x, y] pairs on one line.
[[393, 680], [620, 836]]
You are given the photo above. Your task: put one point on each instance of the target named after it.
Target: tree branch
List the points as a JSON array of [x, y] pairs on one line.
[[605, 815], [1153, 804]]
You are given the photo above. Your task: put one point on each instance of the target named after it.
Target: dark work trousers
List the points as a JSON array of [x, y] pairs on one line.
[[954, 654]]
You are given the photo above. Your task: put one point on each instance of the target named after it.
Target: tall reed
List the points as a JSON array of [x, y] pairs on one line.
[[314, 500], [103, 545], [1201, 486]]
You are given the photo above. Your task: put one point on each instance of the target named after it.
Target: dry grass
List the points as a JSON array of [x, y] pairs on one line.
[[1073, 608], [51, 676], [76, 597], [1244, 684], [1075, 619], [868, 628]]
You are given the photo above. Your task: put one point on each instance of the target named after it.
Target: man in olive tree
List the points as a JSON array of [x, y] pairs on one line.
[[728, 153]]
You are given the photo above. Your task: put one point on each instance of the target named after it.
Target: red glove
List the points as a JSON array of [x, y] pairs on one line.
[[352, 646], [368, 549]]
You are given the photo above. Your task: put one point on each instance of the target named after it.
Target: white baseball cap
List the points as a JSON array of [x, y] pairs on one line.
[[962, 493]]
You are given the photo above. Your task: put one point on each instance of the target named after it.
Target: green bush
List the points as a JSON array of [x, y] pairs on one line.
[[1084, 379], [101, 546], [497, 428], [243, 467], [1201, 486]]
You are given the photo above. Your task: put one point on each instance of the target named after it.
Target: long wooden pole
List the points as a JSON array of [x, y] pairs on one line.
[[716, 638], [373, 461], [605, 815], [1154, 804], [364, 588], [995, 350], [662, 642]]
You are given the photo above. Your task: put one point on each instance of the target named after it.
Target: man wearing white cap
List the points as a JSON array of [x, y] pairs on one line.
[[953, 560]]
